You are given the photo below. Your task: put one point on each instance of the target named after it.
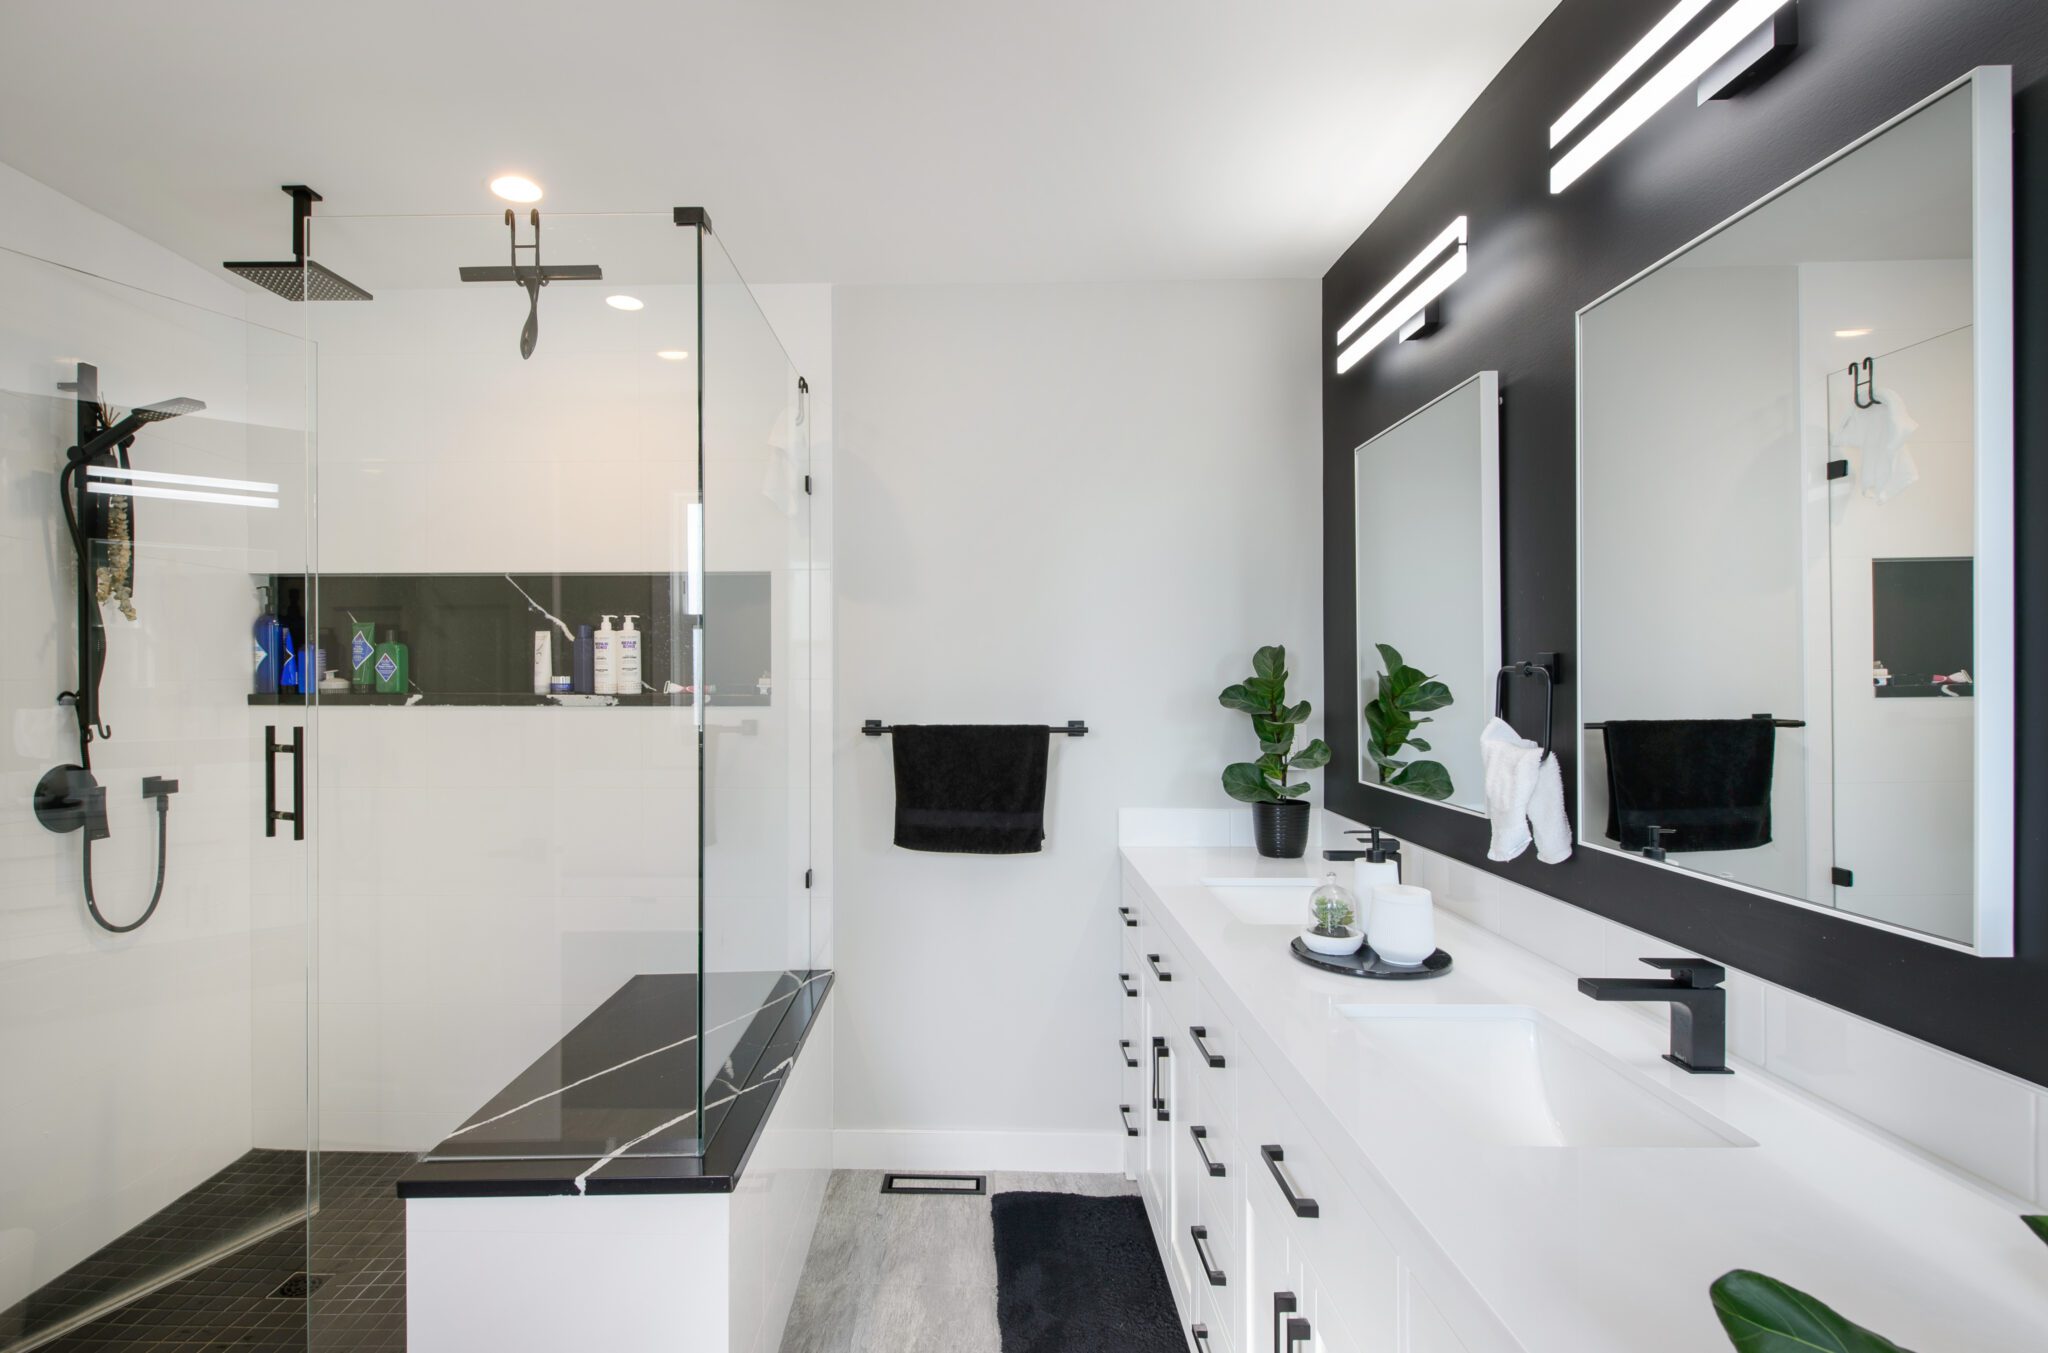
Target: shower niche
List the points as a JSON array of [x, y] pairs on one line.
[[470, 637]]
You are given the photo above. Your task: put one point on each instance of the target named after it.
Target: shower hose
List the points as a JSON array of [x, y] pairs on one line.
[[156, 895]]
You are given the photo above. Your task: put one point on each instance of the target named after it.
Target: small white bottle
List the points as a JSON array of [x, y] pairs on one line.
[[626, 664], [604, 655], [543, 661]]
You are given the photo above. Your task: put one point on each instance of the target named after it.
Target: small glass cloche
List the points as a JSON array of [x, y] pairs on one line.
[[1334, 920]]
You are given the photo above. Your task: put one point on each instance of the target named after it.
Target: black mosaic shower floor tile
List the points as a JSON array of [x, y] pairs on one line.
[[357, 1242]]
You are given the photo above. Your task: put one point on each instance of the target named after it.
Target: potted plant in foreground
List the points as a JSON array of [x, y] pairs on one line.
[[1279, 812]]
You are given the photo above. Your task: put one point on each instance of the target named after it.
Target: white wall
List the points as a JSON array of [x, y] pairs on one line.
[[129, 1060], [1087, 502]]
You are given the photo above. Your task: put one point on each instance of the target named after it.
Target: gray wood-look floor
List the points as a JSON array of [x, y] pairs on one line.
[[909, 1273]]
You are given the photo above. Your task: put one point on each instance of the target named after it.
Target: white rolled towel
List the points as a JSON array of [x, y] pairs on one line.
[[1524, 796]]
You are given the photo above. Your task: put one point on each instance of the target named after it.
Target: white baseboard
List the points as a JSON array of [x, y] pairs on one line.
[[1037, 1152]]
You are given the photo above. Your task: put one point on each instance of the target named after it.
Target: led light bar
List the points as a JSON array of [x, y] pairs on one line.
[[101, 486], [198, 481], [1638, 57], [1417, 301], [1455, 232], [1697, 57]]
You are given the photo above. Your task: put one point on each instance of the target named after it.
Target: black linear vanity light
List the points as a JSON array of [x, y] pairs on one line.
[[1743, 46], [1396, 309]]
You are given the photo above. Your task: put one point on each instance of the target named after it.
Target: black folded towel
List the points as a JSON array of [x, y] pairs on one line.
[[971, 789], [1707, 781]]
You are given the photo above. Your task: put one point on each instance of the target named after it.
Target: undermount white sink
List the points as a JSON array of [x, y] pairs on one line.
[[1510, 1076], [1280, 900]]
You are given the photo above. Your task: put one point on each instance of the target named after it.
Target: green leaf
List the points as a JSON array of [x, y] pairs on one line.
[[1763, 1315], [1294, 791], [1237, 697], [1270, 662], [1426, 778], [1277, 747], [1418, 744], [1313, 757], [2039, 1226], [1267, 691], [1390, 657], [1243, 782], [1272, 730], [1297, 714], [1428, 695], [1272, 766], [1383, 760], [1376, 720]]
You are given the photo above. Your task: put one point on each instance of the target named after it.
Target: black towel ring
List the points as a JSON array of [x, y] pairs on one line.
[[1863, 384], [1544, 666]]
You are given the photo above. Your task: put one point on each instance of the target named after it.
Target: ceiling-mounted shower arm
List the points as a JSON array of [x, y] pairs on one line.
[[303, 199]]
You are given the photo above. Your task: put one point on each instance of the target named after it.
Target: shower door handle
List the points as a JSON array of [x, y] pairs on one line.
[[296, 749]]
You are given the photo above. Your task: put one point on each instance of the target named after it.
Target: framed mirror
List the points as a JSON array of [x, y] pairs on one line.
[[1427, 525], [1796, 538]]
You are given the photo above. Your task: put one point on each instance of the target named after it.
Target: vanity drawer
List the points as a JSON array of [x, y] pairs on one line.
[[1212, 1059], [1213, 1202], [1327, 1228]]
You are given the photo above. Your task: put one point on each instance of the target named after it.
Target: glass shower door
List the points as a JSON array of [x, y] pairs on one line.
[[153, 913]]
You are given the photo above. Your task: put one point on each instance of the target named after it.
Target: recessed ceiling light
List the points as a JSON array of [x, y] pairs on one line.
[[516, 188], [673, 355], [624, 302], [1853, 333]]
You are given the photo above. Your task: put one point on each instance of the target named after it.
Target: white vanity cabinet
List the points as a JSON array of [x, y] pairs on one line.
[[1266, 1248]]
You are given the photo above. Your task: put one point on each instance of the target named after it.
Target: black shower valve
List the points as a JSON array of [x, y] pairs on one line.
[[158, 788]]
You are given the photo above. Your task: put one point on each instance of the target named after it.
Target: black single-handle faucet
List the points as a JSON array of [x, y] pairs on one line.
[[1699, 1008]]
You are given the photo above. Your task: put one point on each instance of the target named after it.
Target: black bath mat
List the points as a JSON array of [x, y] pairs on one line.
[[1076, 1274]]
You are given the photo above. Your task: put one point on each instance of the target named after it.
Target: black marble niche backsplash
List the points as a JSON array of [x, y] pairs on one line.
[[470, 635]]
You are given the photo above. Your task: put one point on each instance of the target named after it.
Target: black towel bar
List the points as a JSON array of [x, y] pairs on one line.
[[1544, 666], [1770, 719], [1075, 728]]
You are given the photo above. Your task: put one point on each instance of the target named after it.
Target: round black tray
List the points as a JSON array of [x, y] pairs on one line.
[[1366, 963]]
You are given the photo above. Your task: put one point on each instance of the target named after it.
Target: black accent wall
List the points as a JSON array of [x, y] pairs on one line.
[[1535, 260]]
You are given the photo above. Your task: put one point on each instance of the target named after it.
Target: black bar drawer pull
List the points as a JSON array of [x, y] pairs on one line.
[[1129, 919], [1198, 1032], [1303, 1207], [1160, 1052], [1200, 1334], [1284, 1304], [1200, 1235], [1201, 1136], [1130, 1062], [1157, 971], [1125, 1110], [1123, 979]]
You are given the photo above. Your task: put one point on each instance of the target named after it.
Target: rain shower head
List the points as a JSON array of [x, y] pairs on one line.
[[113, 434], [169, 408], [295, 278]]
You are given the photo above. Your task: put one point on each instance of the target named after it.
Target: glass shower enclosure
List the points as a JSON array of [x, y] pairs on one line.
[[466, 681]]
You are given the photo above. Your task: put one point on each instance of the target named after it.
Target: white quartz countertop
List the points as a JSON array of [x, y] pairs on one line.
[[1598, 1249]]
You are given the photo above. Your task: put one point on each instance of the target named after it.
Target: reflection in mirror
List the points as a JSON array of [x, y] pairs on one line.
[[1793, 569], [1427, 525]]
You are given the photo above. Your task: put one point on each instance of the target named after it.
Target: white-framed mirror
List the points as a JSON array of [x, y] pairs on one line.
[[1426, 518], [1796, 591]]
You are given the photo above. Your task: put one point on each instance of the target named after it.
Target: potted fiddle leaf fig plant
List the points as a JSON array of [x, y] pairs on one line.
[[1391, 717], [1279, 812]]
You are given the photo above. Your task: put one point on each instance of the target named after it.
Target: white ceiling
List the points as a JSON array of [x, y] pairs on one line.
[[847, 141]]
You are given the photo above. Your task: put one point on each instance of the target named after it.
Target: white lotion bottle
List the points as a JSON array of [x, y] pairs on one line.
[[626, 662], [543, 661], [1378, 863], [604, 659]]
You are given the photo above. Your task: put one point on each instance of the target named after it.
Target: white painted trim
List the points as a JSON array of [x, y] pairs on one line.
[[1997, 616], [1036, 1152]]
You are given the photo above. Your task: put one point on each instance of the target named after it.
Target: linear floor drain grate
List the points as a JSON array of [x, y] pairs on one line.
[[972, 1185], [300, 1286]]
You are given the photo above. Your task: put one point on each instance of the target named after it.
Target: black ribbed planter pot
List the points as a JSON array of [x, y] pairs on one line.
[[1280, 830]]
